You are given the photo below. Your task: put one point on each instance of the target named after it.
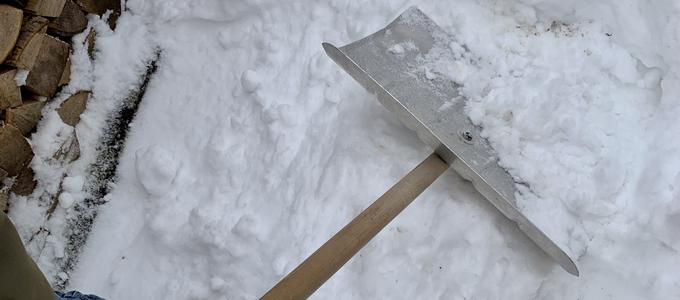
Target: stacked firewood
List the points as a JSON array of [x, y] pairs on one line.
[[35, 38]]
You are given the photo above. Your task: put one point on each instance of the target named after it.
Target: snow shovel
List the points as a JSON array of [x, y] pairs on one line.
[[388, 64]]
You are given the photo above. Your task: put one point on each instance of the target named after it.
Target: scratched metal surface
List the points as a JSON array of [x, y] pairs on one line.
[[435, 110]]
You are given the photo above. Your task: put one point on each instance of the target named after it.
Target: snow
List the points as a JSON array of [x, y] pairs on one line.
[[65, 200], [62, 275], [21, 76], [108, 91], [73, 184], [397, 49], [58, 246], [156, 169], [251, 148], [250, 80]]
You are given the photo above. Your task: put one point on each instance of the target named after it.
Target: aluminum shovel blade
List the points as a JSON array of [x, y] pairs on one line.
[[389, 64]]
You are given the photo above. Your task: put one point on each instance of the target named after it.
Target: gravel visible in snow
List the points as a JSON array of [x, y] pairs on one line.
[[252, 148]]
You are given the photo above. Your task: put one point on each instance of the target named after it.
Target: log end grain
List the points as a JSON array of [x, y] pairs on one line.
[[15, 152], [48, 68], [26, 116], [72, 21], [10, 26], [10, 93], [73, 107]]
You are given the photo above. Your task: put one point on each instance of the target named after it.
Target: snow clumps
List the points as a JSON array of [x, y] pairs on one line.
[[156, 169]]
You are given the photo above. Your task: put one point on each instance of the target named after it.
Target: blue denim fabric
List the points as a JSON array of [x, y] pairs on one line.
[[76, 296]]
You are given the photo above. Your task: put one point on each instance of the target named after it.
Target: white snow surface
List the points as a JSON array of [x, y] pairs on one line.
[[251, 148], [73, 184]]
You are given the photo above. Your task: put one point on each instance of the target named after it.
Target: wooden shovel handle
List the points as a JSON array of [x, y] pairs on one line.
[[322, 264]]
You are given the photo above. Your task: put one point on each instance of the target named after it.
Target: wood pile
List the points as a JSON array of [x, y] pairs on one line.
[[35, 38]]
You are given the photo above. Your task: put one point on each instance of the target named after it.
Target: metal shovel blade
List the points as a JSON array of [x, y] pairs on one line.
[[388, 64]]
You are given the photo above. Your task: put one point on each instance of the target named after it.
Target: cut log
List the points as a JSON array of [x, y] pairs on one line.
[[26, 116], [15, 152], [99, 7], [89, 41], [10, 93], [28, 44], [66, 75], [45, 8], [25, 183], [49, 66], [69, 150], [72, 21], [113, 18], [10, 26], [73, 107]]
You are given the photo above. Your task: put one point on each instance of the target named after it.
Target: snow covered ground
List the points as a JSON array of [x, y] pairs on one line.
[[252, 148]]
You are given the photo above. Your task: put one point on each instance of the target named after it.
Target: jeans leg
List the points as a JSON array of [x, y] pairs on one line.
[[75, 295]]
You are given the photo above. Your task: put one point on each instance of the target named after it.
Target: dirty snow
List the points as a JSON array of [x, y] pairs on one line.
[[252, 148]]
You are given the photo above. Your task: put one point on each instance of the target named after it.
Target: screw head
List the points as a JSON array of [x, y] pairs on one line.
[[466, 136]]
